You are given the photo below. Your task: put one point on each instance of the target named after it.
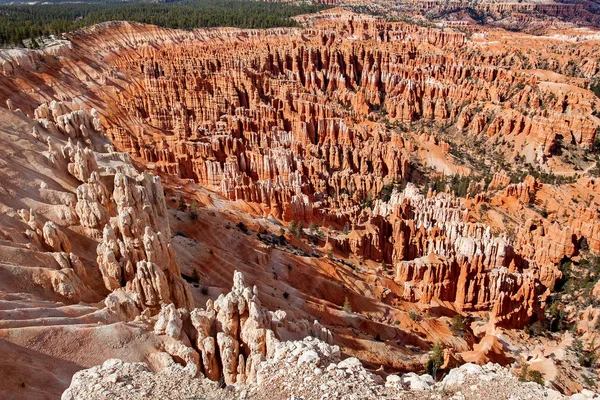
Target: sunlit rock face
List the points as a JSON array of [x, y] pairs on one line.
[[103, 137]]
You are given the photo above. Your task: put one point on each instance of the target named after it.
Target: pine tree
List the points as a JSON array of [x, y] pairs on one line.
[[293, 228], [436, 360]]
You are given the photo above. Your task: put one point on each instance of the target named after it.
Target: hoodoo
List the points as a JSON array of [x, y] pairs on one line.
[[341, 205]]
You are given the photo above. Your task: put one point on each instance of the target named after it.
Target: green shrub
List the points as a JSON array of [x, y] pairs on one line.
[[293, 228], [458, 326], [385, 194], [537, 377], [194, 210], [413, 315], [590, 383], [535, 329], [531, 375], [436, 359], [182, 206]]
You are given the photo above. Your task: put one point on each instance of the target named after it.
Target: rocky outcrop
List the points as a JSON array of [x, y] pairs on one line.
[[55, 239], [526, 16], [233, 335], [93, 200], [500, 180], [56, 116], [135, 252], [585, 224], [130, 218], [439, 256], [312, 124], [304, 124], [310, 369], [523, 191], [299, 126]]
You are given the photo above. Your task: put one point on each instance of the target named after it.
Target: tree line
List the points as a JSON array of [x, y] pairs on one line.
[[21, 22]]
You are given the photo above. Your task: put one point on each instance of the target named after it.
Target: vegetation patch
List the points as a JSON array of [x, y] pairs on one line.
[[21, 22]]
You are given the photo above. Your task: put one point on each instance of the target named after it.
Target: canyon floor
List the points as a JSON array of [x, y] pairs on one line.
[[329, 211]]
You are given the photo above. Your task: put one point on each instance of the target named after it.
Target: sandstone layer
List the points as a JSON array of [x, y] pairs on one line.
[[439, 175]]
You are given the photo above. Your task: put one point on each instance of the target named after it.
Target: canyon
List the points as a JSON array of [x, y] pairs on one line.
[[360, 189]]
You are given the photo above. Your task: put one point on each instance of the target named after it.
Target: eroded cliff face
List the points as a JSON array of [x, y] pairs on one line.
[[63, 281], [311, 126], [524, 16], [103, 199], [298, 124], [462, 262], [91, 260], [231, 337], [322, 125]]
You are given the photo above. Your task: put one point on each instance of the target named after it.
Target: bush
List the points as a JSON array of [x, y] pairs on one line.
[[182, 206], [458, 324], [458, 184], [557, 317], [194, 211], [530, 375], [436, 360], [293, 228], [590, 383], [535, 329], [367, 202], [587, 357], [386, 192], [537, 377], [524, 372], [413, 315], [315, 232]]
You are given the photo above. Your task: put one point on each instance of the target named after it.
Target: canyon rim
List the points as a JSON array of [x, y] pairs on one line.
[[372, 200]]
